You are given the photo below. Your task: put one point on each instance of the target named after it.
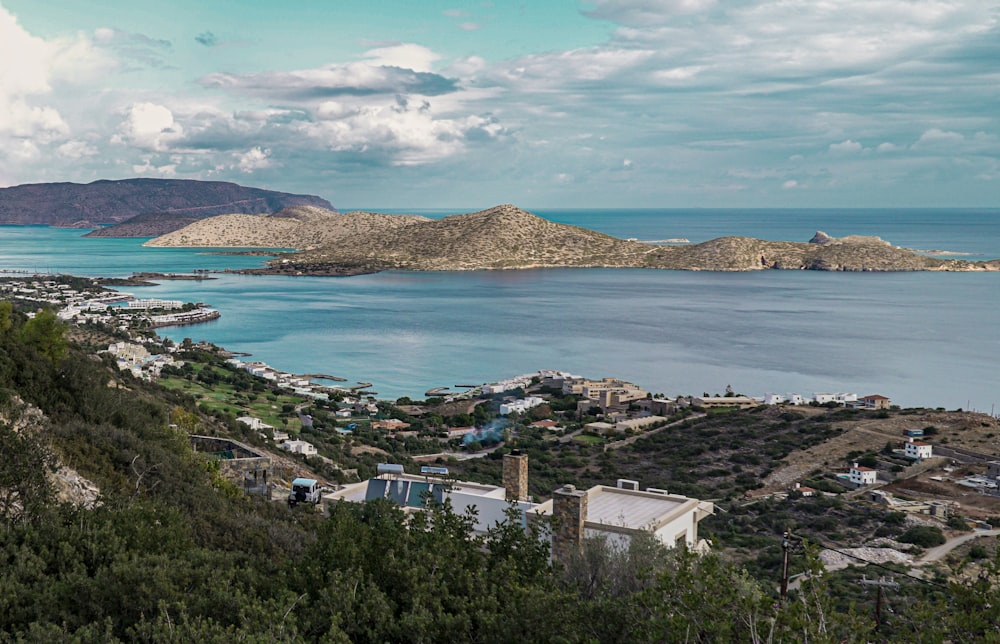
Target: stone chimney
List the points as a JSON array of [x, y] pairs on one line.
[[569, 514], [515, 475]]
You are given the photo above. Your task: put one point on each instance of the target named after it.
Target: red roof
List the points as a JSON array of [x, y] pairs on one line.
[[862, 469], [874, 397], [545, 423]]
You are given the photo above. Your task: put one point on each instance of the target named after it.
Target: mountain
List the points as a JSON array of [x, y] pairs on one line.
[[112, 202], [506, 237]]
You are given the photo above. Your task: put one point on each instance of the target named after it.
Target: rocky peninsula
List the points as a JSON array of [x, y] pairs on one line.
[[507, 237]]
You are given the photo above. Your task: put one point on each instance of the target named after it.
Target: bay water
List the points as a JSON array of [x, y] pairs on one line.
[[923, 339]]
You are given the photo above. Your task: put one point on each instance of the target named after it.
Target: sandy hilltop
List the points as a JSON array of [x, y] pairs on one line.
[[506, 237]]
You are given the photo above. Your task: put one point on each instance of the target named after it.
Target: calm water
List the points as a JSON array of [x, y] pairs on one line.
[[920, 338]]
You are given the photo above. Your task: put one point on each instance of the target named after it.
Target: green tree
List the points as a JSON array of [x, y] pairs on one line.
[[25, 488], [46, 334]]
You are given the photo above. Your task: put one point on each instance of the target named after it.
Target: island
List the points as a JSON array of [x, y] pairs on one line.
[[506, 237]]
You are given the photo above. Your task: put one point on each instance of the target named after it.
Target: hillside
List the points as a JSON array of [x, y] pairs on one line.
[[300, 227], [112, 202], [506, 237], [151, 224]]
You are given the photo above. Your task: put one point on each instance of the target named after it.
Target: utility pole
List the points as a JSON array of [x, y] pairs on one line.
[[879, 583], [786, 545]]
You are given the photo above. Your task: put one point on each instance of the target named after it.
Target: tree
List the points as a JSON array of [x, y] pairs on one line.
[[24, 483], [46, 334]]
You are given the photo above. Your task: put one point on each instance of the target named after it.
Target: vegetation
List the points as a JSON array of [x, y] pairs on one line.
[[172, 552]]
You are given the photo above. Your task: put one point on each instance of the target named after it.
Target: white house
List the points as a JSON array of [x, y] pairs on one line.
[[916, 450], [299, 447], [254, 423], [863, 475], [774, 399], [796, 399], [520, 406]]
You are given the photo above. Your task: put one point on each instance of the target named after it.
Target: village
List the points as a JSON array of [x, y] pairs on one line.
[[917, 473]]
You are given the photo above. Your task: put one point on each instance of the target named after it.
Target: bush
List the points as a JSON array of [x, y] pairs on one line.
[[923, 536]]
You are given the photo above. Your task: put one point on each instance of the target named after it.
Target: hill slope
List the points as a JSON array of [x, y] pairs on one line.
[[506, 237], [102, 202], [300, 227]]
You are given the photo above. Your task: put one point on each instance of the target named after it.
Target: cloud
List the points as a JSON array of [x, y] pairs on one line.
[[207, 38], [350, 79], [935, 138], [254, 159], [33, 67], [134, 47], [403, 55], [791, 184], [846, 147], [76, 150], [469, 26], [638, 13], [148, 126], [401, 133]]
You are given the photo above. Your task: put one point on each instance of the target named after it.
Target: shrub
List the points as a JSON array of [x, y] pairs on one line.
[[923, 536]]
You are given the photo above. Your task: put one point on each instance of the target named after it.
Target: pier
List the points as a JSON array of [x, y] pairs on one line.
[[325, 376]]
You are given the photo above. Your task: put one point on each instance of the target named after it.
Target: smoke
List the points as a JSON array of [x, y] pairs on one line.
[[489, 434]]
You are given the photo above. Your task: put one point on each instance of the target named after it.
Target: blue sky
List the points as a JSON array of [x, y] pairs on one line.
[[629, 103]]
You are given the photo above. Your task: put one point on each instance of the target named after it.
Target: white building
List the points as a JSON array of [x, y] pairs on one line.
[[617, 513], [863, 475], [155, 304], [916, 450], [254, 423], [520, 406], [299, 447]]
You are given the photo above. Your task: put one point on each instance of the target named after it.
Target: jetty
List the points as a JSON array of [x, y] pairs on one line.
[[437, 391], [324, 376]]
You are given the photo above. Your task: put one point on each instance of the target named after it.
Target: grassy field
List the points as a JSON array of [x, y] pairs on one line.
[[220, 396]]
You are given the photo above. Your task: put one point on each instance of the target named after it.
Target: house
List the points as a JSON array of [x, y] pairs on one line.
[[638, 423], [545, 424], [299, 447], [863, 475], [520, 406], [390, 424], [459, 432], [616, 513], [917, 450], [255, 424], [774, 399], [803, 490], [714, 402], [874, 401], [342, 413]]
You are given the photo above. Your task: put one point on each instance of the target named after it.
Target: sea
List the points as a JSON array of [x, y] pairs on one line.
[[923, 339]]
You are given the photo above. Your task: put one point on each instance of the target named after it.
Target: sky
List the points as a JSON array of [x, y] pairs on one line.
[[554, 104]]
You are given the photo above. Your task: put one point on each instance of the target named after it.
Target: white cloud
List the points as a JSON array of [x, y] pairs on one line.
[[148, 126], [887, 147], [76, 150], [645, 12], [406, 134], [791, 184], [147, 167], [254, 159], [846, 147], [31, 67], [404, 55], [936, 138]]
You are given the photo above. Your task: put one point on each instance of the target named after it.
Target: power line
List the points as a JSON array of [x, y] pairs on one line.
[[874, 563]]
